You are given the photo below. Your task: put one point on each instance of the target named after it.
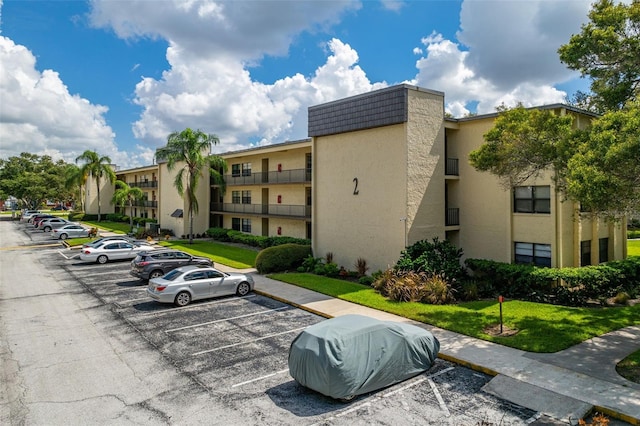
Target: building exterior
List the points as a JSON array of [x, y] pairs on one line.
[[145, 178], [268, 191], [389, 170], [381, 171]]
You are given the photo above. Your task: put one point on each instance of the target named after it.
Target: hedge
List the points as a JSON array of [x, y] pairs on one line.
[[230, 235], [563, 286]]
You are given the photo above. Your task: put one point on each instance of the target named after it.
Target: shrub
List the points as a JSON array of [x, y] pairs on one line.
[[328, 257], [361, 267], [632, 234], [219, 234], [365, 280], [282, 258], [622, 298], [434, 258], [76, 216], [310, 263], [410, 286], [165, 232], [114, 217]]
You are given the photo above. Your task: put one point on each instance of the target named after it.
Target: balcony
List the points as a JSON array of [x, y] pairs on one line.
[[146, 184], [262, 178], [452, 217], [282, 210], [145, 203], [451, 167]]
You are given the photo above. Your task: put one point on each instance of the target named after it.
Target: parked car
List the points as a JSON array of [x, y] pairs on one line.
[[182, 285], [26, 214], [60, 207], [100, 240], [156, 263], [35, 219], [71, 230], [354, 354], [112, 250], [55, 222]]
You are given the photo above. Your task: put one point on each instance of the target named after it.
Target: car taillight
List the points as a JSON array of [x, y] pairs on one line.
[[161, 287], [87, 252], [143, 263]]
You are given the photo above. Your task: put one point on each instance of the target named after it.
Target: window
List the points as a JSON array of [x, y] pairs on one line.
[[531, 253], [532, 199], [246, 169], [235, 170], [585, 253], [246, 197], [235, 197], [603, 248], [243, 225]]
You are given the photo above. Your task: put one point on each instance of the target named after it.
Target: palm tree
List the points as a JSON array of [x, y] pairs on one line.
[[188, 147], [97, 167], [124, 194], [75, 181]]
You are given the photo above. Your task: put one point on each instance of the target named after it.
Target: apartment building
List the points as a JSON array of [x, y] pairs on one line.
[[268, 191], [389, 169], [145, 178], [379, 172]]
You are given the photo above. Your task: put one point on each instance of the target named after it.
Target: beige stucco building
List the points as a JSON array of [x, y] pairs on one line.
[[381, 171], [145, 178]]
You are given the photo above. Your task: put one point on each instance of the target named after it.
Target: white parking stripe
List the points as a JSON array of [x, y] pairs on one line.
[[260, 378], [443, 406], [68, 257], [224, 319], [365, 404], [247, 342], [191, 306]]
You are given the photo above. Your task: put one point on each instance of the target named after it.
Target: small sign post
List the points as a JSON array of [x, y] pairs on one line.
[[500, 299]]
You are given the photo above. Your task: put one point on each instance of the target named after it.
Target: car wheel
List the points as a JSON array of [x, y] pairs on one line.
[[182, 299], [102, 259], [155, 274], [47, 228], [63, 236], [243, 289]]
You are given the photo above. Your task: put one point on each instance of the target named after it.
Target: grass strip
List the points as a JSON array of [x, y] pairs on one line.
[[235, 257], [541, 327]]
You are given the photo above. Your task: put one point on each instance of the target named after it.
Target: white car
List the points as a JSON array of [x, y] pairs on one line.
[[71, 230], [26, 215], [112, 250]]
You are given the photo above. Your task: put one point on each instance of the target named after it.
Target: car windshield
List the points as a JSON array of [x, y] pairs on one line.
[[172, 275]]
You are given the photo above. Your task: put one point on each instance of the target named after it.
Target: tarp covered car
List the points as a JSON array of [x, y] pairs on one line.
[[353, 354]]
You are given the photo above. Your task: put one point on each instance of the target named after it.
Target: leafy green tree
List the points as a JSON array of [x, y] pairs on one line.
[[186, 150], [604, 173], [608, 51], [98, 168], [124, 194], [523, 143], [32, 179]]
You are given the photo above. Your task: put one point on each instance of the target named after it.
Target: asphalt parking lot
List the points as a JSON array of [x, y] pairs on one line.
[[234, 350]]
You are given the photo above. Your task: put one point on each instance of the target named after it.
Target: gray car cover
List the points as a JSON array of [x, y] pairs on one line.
[[354, 354]]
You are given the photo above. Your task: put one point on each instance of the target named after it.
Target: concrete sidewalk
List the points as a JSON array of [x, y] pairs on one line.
[[565, 386]]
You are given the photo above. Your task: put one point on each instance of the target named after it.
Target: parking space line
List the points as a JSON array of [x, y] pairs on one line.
[[246, 342], [68, 257], [191, 306], [260, 378], [443, 406], [172, 330], [388, 394]]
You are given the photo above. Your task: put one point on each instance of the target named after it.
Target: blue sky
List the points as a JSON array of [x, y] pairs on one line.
[[118, 76]]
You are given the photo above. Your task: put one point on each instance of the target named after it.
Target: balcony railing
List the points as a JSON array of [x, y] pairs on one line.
[[452, 217], [451, 168], [148, 184], [145, 203], [263, 209], [260, 178]]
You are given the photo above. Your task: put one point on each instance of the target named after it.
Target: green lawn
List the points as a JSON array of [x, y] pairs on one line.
[[633, 247], [117, 227], [541, 327], [233, 256]]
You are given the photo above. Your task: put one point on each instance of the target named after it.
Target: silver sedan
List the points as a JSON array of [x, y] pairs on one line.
[[112, 250], [71, 230], [182, 285]]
